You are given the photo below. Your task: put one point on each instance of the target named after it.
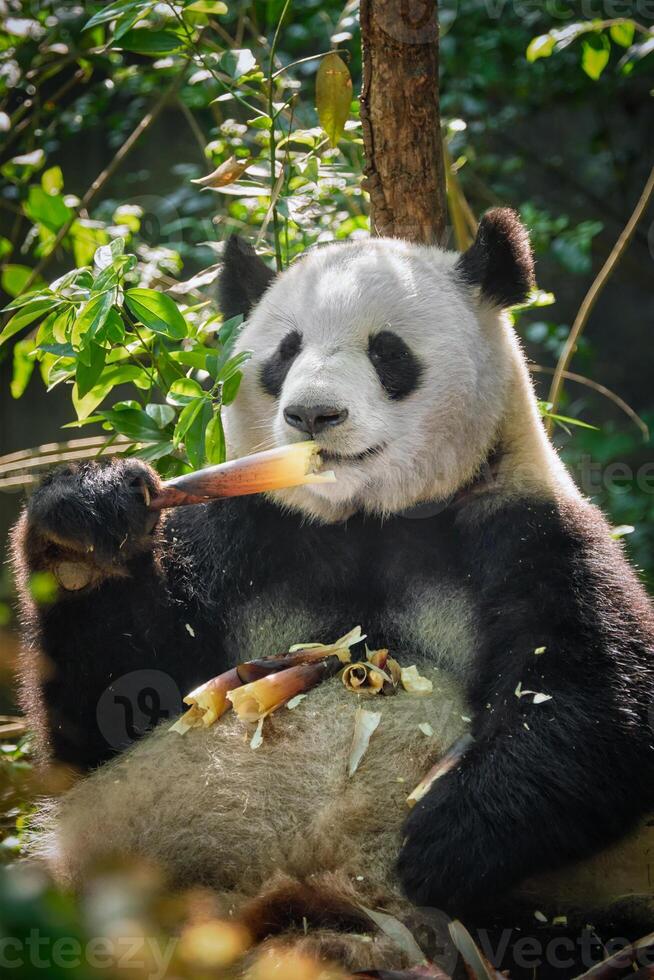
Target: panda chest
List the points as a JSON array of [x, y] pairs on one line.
[[399, 582]]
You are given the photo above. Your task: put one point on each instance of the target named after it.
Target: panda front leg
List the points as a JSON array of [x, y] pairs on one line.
[[89, 526], [563, 762]]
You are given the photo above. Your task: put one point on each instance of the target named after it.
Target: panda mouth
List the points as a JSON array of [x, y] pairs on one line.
[[370, 453]]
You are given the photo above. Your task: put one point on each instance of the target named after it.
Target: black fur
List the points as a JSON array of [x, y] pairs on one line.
[[274, 370], [553, 781], [543, 783], [500, 261], [243, 278], [398, 369]]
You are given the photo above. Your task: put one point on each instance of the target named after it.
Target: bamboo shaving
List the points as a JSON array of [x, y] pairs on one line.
[[414, 682], [399, 934], [365, 724], [257, 738]]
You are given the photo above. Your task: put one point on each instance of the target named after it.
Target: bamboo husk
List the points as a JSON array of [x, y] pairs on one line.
[[275, 469]]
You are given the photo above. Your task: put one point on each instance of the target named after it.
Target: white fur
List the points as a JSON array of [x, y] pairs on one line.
[[474, 391]]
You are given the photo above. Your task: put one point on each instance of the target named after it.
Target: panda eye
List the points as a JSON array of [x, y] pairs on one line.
[[290, 345], [274, 370], [398, 369]]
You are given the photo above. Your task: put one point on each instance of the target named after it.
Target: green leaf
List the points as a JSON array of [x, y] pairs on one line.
[[143, 40], [333, 96], [214, 438], [52, 180], [187, 417], [194, 439], [87, 237], [154, 451], [23, 366], [6, 248], [112, 376], [215, 7], [595, 53], [26, 315], [14, 278], [115, 10], [623, 34], [231, 367], [540, 47], [133, 423], [196, 358], [157, 312], [105, 255], [46, 209], [88, 375], [230, 388], [89, 322], [161, 415], [237, 62], [114, 328], [183, 391]]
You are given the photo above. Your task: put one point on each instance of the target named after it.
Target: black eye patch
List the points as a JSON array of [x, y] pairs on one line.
[[398, 369], [274, 370]]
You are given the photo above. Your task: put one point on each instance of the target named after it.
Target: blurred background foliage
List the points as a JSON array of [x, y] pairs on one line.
[[110, 112]]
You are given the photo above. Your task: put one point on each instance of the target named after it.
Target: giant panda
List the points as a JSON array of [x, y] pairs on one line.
[[453, 534]]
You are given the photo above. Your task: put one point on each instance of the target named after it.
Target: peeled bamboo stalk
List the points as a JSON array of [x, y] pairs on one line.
[[256, 700], [210, 701], [275, 469], [449, 761]]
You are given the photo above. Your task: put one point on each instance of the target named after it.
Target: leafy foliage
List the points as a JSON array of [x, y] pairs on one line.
[[98, 333]]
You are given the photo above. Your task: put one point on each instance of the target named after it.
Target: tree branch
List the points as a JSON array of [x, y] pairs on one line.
[[595, 290]]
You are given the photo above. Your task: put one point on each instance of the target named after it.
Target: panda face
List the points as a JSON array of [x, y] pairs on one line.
[[381, 353]]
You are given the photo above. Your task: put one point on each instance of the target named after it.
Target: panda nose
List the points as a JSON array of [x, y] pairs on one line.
[[313, 419]]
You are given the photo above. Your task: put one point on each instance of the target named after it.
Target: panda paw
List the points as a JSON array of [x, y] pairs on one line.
[[450, 859], [98, 509]]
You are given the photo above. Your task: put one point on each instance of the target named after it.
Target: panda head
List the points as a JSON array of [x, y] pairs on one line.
[[394, 357]]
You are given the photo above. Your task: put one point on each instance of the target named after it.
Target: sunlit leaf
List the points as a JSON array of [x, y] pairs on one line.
[[114, 10], [157, 312], [595, 53], [237, 62], [89, 322], [161, 415], [214, 438], [27, 314], [333, 96], [540, 47], [187, 417], [623, 33], [112, 376], [183, 391], [46, 209], [215, 7], [14, 278], [23, 367], [105, 255], [52, 180]]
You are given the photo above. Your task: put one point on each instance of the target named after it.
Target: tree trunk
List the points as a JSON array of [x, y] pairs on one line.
[[404, 172]]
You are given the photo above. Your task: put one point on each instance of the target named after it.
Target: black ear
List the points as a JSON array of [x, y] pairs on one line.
[[243, 278], [500, 260]]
